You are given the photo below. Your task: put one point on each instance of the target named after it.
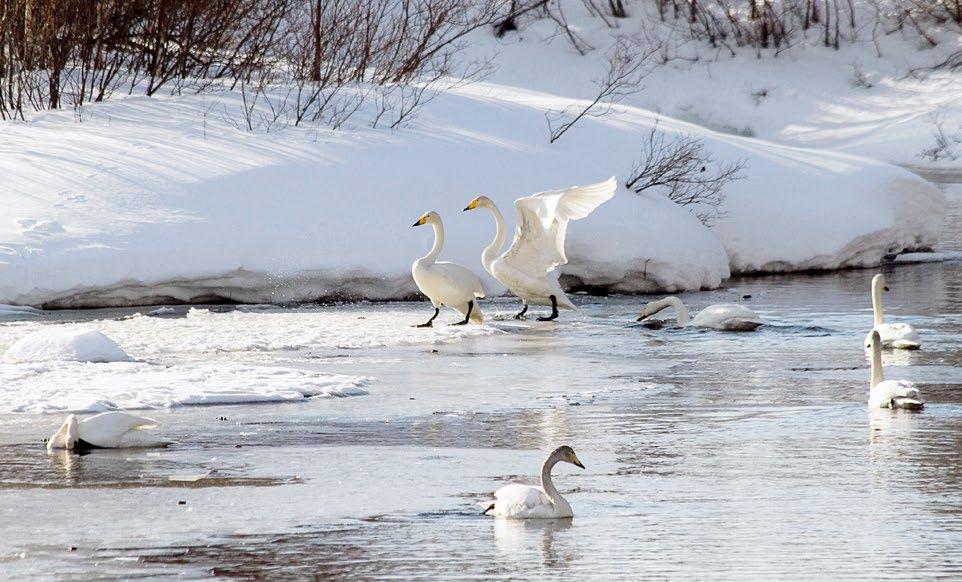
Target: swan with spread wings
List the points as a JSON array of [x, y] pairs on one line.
[[527, 268]]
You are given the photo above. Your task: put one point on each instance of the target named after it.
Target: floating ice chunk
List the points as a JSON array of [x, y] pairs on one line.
[[66, 345]]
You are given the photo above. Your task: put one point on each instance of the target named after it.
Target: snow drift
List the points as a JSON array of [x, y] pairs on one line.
[[66, 345]]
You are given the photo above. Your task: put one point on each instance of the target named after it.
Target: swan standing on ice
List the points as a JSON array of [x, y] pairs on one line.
[[889, 393], [108, 430], [894, 335], [526, 502], [446, 283], [724, 316], [527, 268]]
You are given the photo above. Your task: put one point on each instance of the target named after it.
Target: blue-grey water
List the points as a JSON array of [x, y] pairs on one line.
[[709, 455]]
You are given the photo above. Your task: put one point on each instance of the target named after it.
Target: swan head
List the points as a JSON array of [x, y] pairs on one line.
[[878, 282], [647, 311], [479, 202], [66, 436], [430, 217], [566, 454], [875, 341]]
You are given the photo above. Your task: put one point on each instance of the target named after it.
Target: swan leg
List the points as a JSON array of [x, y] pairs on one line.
[[430, 322], [467, 316], [554, 310], [524, 310]]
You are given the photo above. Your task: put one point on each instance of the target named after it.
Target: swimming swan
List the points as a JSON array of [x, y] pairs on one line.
[[724, 316], [527, 268], [446, 283], [517, 501], [894, 335], [107, 430], [889, 393]]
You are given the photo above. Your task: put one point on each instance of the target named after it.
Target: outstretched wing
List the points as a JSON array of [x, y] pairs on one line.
[[539, 240]]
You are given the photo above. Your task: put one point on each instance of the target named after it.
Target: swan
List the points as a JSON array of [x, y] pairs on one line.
[[446, 283], [517, 501], [724, 316], [107, 430], [894, 335], [527, 268], [889, 393]]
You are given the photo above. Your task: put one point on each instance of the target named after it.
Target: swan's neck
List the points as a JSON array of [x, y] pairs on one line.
[[876, 364], [681, 312], [493, 251], [877, 301], [432, 256], [549, 489]]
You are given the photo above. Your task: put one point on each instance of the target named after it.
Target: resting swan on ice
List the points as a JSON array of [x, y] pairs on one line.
[[724, 316], [894, 335], [527, 268], [107, 430], [446, 283], [889, 393], [517, 501]]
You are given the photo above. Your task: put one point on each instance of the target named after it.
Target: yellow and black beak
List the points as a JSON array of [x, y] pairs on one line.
[[472, 206], [420, 221], [577, 463], [642, 317]]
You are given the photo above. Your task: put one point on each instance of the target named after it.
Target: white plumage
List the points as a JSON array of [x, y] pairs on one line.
[[109, 430], [527, 268], [894, 335], [723, 316], [446, 283], [889, 393], [517, 501]]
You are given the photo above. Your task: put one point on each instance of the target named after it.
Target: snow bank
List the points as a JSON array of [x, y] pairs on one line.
[[150, 201], [55, 387], [66, 345]]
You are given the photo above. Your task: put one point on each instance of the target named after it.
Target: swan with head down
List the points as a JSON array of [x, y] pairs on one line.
[[723, 316]]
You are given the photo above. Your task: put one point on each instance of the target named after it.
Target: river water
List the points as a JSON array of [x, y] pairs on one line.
[[708, 455]]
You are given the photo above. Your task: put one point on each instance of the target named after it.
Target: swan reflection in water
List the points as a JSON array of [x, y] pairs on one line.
[[533, 541]]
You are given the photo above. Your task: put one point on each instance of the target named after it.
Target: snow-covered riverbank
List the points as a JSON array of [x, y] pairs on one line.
[[153, 200]]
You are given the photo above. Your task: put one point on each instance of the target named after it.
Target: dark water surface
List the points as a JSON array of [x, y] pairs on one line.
[[709, 455]]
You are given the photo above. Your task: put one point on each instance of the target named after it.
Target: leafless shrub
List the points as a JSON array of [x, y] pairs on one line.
[[945, 144], [686, 172], [859, 78], [628, 64]]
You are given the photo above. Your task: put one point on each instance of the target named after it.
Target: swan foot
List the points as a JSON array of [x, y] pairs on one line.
[[430, 322], [554, 310], [467, 316], [521, 313]]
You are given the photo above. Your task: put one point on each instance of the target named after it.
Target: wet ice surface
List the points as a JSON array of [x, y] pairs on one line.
[[709, 454]]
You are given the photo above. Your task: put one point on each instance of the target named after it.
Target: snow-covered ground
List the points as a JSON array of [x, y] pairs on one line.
[[153, 200]]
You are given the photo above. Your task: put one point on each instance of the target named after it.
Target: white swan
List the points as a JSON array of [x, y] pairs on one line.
[[724, 316], [446, 283], [108, 430], [526, 502], [527, 268], [894, 335], [889, 393]]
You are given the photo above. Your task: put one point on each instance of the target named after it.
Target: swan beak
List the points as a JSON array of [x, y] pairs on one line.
[[472, 206], [641, 318], [577, 463], [420, 221]]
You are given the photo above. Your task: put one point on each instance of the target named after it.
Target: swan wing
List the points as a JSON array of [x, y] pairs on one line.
[[111, 429], [519, 501], [539, 239], [727, 316]]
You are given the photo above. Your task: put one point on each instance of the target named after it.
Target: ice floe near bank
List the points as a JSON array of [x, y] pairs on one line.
[[56, 386]]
